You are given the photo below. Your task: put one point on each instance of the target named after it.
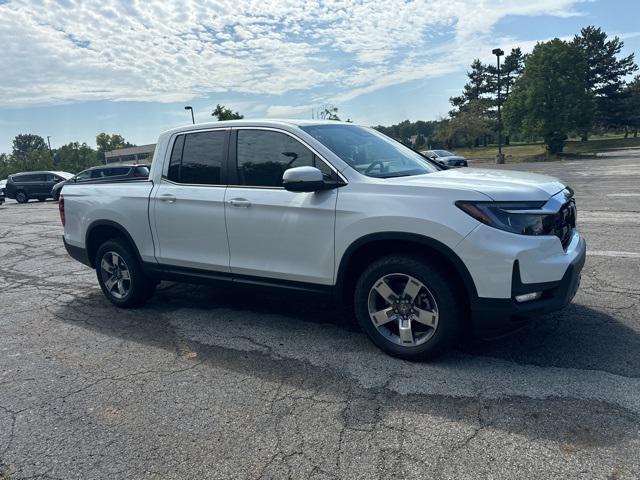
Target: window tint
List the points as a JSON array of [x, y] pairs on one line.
[[109, 172], [202, 157], [176, 159], [115, 171], [33, 177], [197, 158], [263, 156]]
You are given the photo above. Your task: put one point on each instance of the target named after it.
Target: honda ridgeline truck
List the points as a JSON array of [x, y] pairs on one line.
[[423, 253]]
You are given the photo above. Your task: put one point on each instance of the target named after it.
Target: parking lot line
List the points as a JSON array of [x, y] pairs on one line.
[[612, 253]]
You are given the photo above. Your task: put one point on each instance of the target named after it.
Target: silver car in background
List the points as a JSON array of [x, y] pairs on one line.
[[446, 158]]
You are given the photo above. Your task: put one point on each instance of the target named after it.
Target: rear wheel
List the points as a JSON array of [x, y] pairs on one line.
[[120, 275], [408, 308], [21, 197]]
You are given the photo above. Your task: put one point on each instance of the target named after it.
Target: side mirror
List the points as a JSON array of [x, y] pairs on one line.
[[303, 179]]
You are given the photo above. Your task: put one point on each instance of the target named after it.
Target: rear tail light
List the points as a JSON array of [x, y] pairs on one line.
[[61, 209]]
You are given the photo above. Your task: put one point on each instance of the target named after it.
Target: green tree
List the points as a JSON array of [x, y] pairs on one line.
[[75, 157], [33, 160], [224, 113], [478, 95], [107, 142], [605, 75], [25, 143], [5, 165], [632, 106], [550, 99], [468, 125]]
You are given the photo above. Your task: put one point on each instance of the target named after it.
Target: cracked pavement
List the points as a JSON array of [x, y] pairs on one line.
[[209, 383]]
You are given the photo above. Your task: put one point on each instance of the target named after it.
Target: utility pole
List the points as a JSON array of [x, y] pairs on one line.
[[50, 152], [499, 157]]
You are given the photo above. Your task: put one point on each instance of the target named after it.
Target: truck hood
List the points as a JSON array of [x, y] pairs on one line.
[[499, 185]]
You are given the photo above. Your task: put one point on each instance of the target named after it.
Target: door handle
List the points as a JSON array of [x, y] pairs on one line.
[[167, 198], [240, 202]]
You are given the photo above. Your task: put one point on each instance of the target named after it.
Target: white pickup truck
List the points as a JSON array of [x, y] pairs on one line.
[[422, 252]]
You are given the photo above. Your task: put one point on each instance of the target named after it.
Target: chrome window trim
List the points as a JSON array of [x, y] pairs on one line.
[[166, 180]]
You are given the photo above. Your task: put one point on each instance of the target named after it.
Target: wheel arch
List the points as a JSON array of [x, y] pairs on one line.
[[370, 247], [102, 230]]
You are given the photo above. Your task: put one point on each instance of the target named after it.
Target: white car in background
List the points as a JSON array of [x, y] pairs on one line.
[[423, 254]]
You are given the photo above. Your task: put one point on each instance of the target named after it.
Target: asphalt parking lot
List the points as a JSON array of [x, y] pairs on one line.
[[204, 383]]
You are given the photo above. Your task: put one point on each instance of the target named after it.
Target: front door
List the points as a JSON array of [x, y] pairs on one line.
[[188, 204], [272, 232]]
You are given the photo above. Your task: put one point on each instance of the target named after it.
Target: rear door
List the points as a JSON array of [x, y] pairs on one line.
[[49, 182], [36, 185], [273, 232], [188, 204]]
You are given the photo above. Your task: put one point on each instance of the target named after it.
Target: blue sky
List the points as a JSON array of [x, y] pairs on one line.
[[72, 69]]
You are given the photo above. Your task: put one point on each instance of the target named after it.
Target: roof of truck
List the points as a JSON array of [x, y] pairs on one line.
[[258, 122]]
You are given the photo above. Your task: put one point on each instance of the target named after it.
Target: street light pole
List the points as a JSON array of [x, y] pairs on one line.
[[500, 157], [191, 108]]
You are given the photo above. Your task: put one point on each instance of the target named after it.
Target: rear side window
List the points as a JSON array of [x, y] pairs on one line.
[[197, 158], [263, 156], [109, 172], [34, 177]]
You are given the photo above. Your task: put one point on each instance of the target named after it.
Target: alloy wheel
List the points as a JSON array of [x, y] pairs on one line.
[[115, 275], [403, 310]]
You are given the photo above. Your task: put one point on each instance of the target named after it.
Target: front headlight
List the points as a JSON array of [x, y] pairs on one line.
[[514, 217]]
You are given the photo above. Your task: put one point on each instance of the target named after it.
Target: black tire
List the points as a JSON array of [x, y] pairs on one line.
[[21, 196], [140, 287], [449, 306]]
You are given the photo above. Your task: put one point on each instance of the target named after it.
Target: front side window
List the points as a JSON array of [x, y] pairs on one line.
[[263, 156], [197, 158], [369, 152]]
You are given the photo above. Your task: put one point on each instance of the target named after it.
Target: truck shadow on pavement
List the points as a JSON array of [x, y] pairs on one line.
[[316, 348]]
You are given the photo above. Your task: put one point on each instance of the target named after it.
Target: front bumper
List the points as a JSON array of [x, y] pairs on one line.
[[494, 316]]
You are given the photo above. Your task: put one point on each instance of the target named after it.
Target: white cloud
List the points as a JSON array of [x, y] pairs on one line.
[[72, 50]]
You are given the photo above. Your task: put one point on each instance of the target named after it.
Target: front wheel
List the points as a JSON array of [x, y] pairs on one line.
[[120, 275], [408, 307]]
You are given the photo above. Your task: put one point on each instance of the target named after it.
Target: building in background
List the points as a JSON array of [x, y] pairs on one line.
[[131, 155]]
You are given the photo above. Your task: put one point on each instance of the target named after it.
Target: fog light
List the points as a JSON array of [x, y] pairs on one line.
[[527, 297]]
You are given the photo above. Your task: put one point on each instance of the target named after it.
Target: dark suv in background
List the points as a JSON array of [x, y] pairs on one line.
[[103, 173], [27, 185]]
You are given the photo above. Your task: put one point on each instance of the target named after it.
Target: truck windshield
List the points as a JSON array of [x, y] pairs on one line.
[[370, 152]]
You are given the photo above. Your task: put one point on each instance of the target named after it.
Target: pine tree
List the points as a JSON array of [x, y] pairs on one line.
[[605, 75]]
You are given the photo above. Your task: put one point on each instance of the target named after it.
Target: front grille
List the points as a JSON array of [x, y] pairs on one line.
[[565, 222]]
